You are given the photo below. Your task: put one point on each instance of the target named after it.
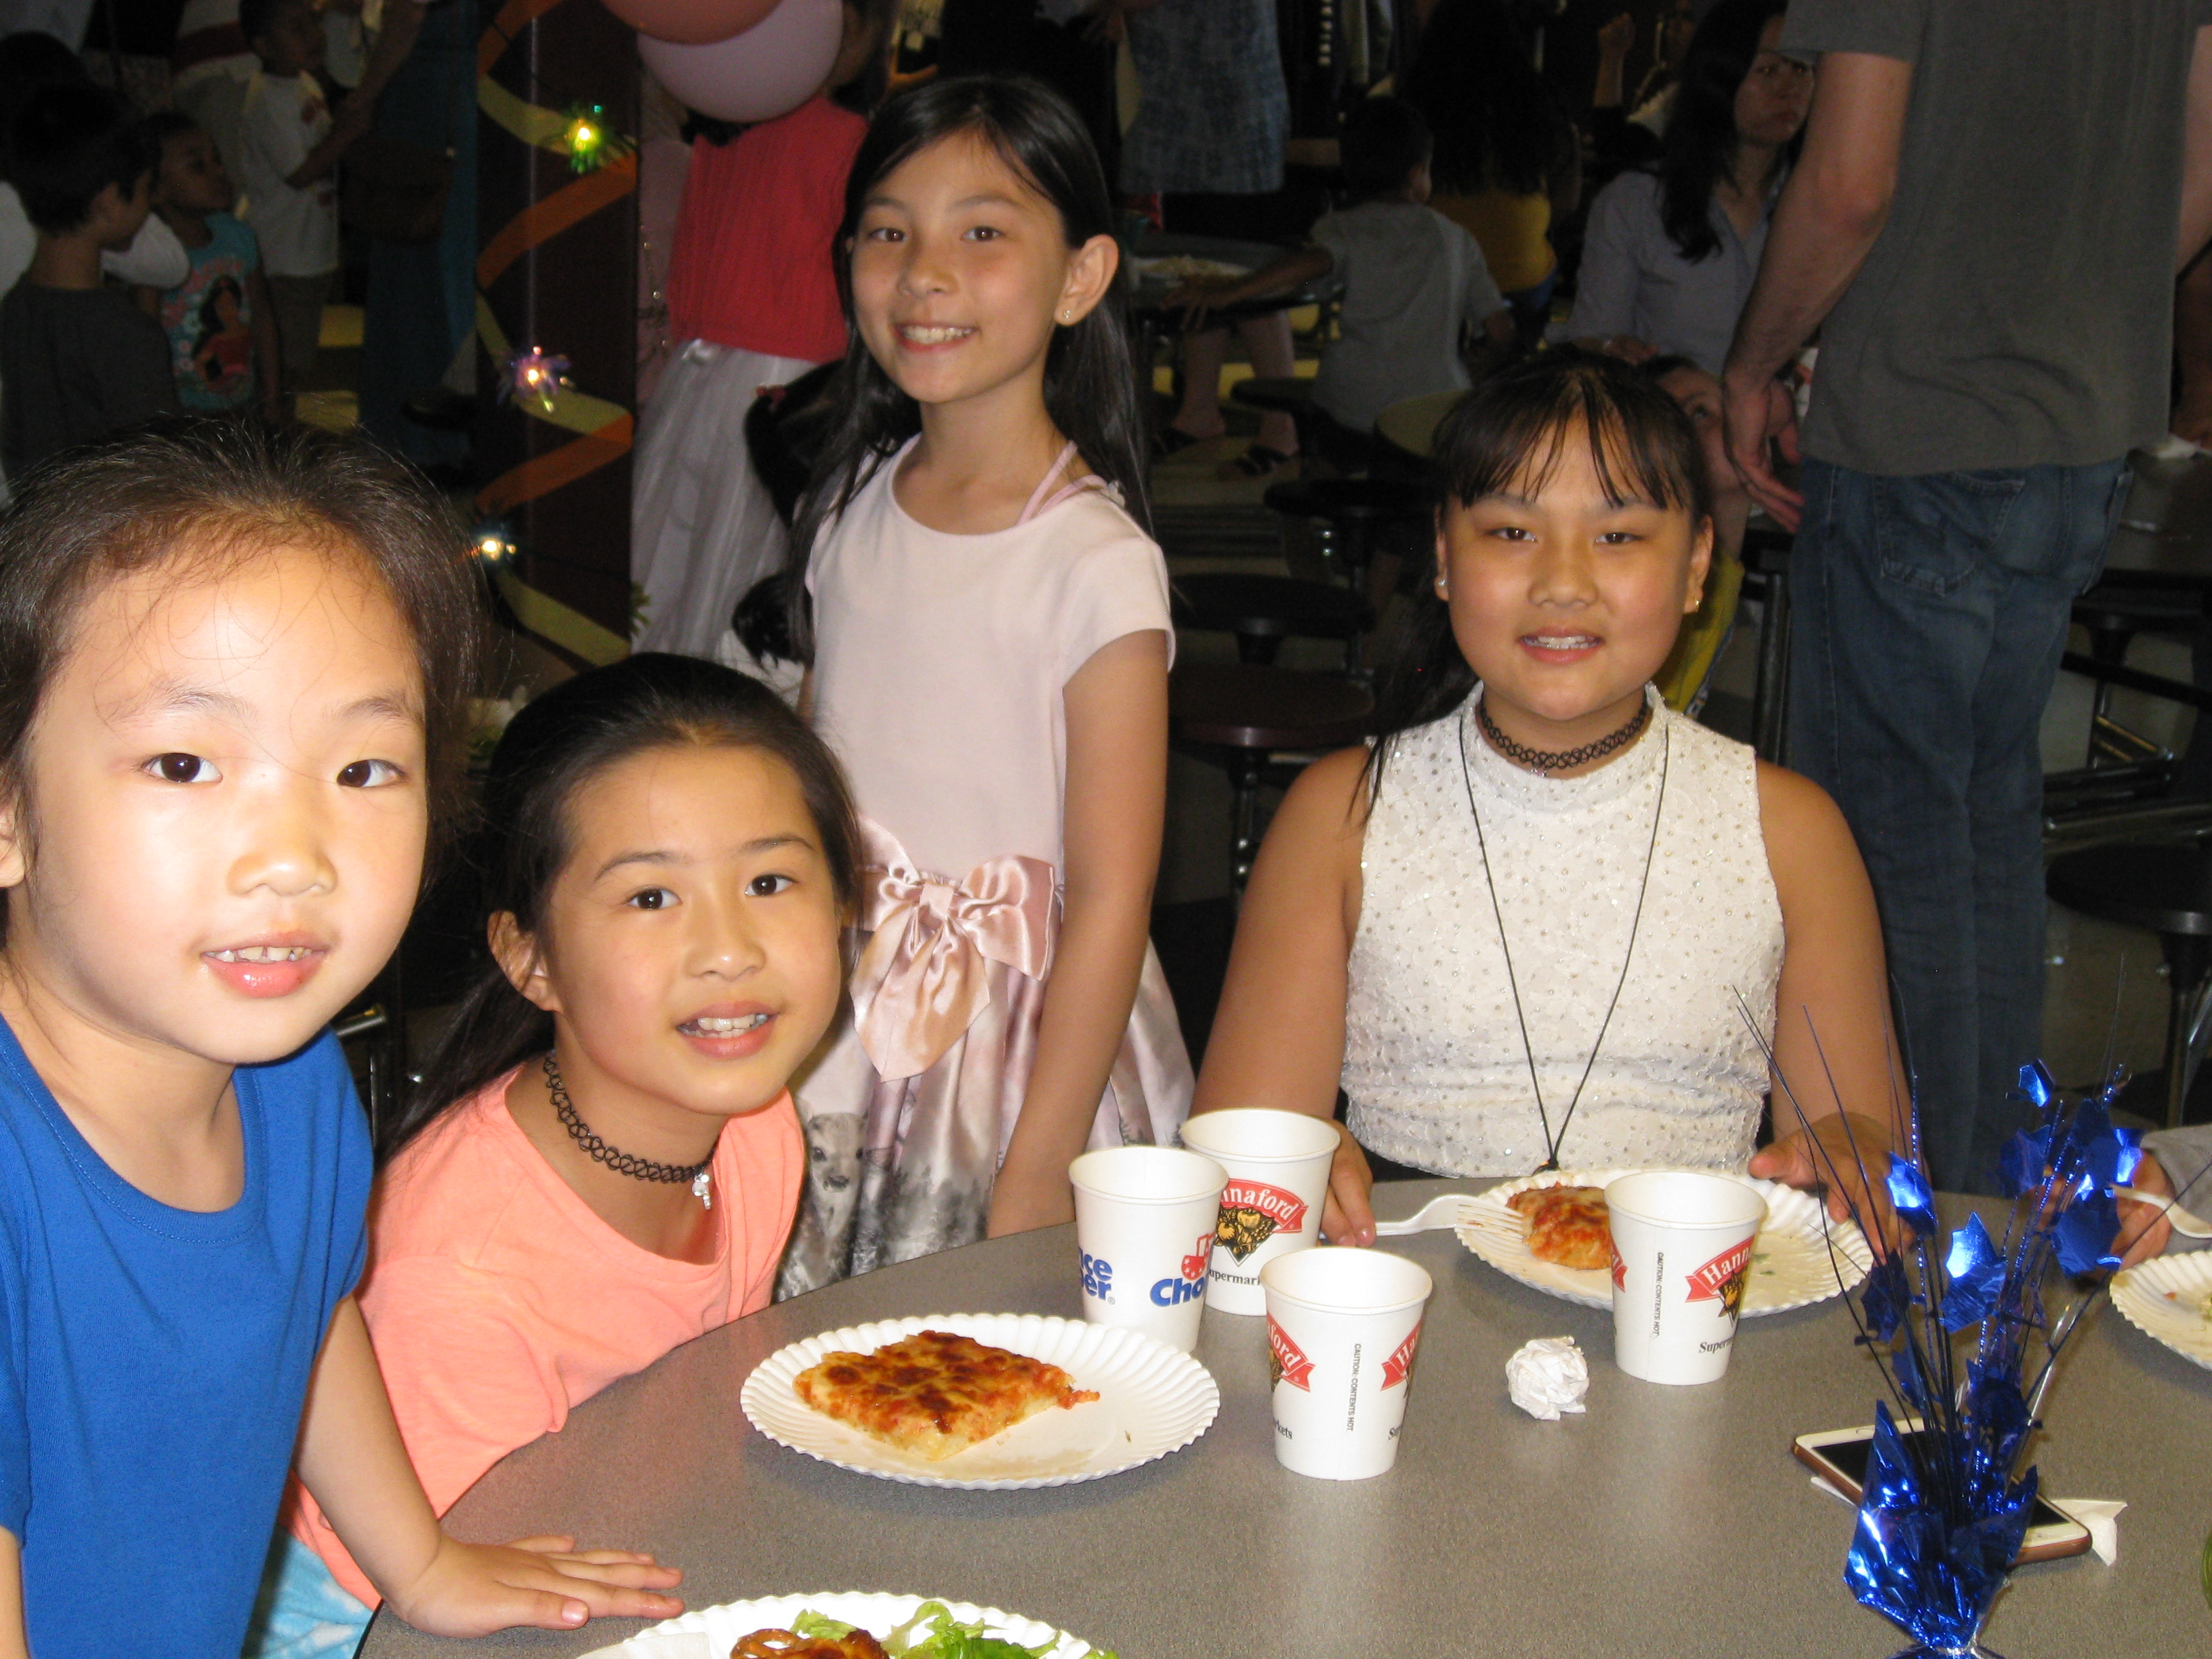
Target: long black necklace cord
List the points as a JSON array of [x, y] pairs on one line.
[[1528, 1048], [625, 1164]]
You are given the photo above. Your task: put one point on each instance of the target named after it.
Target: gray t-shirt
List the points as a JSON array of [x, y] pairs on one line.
[[1413, 283], [2017, 308], [1635, 280], [75, 364]]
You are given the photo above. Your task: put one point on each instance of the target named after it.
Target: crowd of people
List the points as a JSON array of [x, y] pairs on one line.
[[781, 986]]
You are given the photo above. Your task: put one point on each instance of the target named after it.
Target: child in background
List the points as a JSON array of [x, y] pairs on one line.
[[77, 359], [220, 322], [615, 1079], [1687, 674], [233, 662], [289, 149], [752, 302], [1417, 294], [1525, 926], [990, 643]]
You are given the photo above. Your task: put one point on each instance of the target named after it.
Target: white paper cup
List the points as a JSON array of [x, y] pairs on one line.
[[1342, 1329], [1681, 1253], [1144, 1223], [1277, 1165]]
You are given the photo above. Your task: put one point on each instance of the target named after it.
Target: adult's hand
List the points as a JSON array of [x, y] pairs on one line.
[[1760, 418], [1348, 1217], [2144, 1230], [1842, 1158]]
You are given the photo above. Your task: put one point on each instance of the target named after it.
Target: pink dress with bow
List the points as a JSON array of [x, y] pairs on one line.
[[940, 664]]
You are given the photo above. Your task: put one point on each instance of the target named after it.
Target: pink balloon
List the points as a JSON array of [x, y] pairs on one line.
[[693, 22], [770, 71]]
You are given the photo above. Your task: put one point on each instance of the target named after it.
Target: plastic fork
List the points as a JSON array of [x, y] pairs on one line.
[[1441, 1211], [2188, 1225]]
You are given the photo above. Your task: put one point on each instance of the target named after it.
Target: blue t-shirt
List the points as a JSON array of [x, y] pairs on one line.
[[209, 318], [153, 1361]]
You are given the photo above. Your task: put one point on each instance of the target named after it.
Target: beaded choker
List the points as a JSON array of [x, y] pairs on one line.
[[1545, 762], [699, 1175]]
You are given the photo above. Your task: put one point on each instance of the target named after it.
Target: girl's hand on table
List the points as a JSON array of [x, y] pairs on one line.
[[472, 1590], [2144, 1231], [1846, 1148], [1348, 1217]]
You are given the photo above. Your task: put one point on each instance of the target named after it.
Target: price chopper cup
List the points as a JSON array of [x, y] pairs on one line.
[[1277, 1165], [1342, 1329], [1681, 1254], [1144, 1223]]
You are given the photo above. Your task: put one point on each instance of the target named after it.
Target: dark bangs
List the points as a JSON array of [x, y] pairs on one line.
[[1509, 433]]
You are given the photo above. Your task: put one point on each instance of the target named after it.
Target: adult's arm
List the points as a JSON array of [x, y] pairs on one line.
[[351, 1459], [395, 41], [1278, 1037], [1117, 803], [1285, 276], [1831, 213], [1837, 1089], [2196, 155]]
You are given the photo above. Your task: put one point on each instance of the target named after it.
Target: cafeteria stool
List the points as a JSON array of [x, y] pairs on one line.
[[1241, 714], [1264, 611], [2168, 889], [1352, 512], [2112, 616]]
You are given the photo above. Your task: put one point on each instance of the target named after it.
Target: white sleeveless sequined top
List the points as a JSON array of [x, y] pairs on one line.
[[1433, 1059]]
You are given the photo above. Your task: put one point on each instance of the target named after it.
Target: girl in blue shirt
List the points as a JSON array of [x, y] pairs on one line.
[[230, 661]]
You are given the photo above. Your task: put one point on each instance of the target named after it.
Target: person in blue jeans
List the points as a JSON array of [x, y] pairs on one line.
[[1983, 229]]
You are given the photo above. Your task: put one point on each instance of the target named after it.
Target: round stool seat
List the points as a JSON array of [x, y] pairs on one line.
[[1269, 607], [1355, 501], [1247, 706], [2167, 889], [1292, 394]]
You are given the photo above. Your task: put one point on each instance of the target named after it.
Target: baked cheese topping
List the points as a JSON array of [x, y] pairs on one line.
[[935, 1394]]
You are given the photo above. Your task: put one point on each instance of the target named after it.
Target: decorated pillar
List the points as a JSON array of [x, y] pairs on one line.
[[556, 287]]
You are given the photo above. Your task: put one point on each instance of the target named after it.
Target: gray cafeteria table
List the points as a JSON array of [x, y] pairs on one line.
[[1666, 1522]]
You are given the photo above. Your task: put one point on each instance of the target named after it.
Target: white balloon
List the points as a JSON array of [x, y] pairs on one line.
[[770, 71]]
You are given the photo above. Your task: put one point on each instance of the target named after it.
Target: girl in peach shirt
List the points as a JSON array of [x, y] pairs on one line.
[[602, 1160]]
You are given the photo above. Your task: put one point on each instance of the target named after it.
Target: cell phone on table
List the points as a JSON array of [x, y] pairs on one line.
[[1839, 1456]]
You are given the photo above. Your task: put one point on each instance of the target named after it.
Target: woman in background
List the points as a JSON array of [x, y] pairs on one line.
[[1507, 166]]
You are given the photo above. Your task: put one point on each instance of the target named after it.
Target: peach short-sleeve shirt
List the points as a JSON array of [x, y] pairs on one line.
[[498, 1300]]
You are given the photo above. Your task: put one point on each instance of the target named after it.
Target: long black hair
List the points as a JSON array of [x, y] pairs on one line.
[[559, 743], [1090, 374], [1498, 122], [1700, 145], [1510, 433]]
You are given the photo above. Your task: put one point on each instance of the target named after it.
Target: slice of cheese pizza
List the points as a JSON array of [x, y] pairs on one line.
[[1567, 1225], [935, 1394]]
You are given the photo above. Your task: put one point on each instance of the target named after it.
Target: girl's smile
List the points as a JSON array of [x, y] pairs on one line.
[[274, 966], [729, 1031]]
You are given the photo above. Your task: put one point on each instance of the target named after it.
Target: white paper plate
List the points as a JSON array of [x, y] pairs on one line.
[[1153, 1399], [2164, 1298], [710, 1632], [1791, 1266]]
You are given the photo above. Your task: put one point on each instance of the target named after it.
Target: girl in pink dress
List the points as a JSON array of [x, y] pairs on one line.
[[990, 644]]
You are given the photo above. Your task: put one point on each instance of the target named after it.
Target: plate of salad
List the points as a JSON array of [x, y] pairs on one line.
[[843, 1624]]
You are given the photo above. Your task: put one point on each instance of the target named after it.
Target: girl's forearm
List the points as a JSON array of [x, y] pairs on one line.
[[353, 1461], [1086, 1012]]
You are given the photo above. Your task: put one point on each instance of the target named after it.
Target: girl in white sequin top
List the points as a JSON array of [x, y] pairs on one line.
[[1543, 921]]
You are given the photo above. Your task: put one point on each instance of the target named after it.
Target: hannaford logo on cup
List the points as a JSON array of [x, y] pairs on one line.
[[1167, 1292], [1286, 1361], [1252, 1213], [1097, 1276], [1620, 1272], [1721, 1280], [1400, 1365]]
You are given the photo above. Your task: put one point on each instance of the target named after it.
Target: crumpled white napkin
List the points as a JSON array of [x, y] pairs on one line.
[[1548, 1376], [2100, 1514]]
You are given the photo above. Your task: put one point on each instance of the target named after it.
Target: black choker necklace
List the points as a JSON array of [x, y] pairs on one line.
[[1544, 762], [628, 1163]]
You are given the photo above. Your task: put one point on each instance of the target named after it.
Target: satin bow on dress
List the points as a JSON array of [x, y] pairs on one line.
[[922, 979]]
